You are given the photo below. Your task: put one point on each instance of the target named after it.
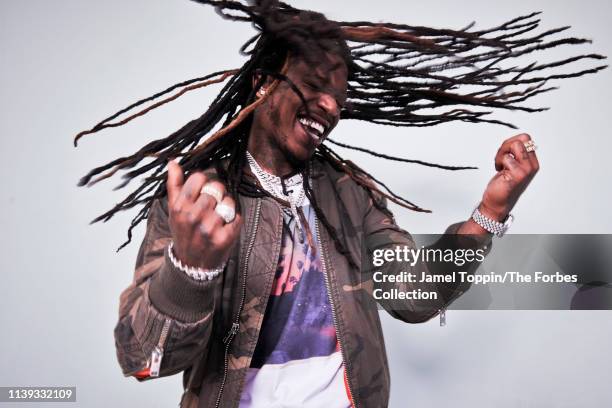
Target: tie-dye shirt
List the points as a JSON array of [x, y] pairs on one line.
[[297, 362]]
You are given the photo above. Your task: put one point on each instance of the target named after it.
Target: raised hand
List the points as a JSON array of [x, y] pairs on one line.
[[516, 167], [201, 236]]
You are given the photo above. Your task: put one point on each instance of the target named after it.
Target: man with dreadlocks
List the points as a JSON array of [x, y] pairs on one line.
[[252, 273]]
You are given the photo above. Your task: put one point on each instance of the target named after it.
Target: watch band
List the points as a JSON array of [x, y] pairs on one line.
[[494, 227]]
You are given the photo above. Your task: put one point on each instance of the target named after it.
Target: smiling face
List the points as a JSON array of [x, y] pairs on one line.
[[285, 134]]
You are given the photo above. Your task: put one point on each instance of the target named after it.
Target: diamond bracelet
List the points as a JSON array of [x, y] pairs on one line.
[[198, 274]]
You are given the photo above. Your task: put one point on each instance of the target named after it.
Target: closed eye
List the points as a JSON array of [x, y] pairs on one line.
[[312, 85], [340, 99]]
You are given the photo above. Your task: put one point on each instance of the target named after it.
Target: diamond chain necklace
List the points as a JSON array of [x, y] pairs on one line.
[[273, 185]]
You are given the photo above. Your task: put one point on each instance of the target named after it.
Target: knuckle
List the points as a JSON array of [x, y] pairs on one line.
[[227, 238], [197, 177], [229, 201], [193, 217], [524, 137], [176, 210], [185, 191], [206, 231], [203, 202], [222, 188], [219, 186], [518, 148], [218, 240]]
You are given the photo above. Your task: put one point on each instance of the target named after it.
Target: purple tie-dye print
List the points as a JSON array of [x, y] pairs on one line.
[[298, 322]]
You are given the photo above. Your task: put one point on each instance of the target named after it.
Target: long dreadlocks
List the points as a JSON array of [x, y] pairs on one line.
[[399, 75]]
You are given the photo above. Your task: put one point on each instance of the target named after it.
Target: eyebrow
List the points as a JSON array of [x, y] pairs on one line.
[[323, 76], [320, 76], [337, 65]]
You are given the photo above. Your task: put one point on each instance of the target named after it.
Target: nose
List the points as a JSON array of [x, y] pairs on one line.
[[328, 104]]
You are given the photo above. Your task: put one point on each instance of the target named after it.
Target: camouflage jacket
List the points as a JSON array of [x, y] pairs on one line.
[[169, 323]]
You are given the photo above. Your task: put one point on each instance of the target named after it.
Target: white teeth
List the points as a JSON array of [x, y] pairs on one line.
[[316, 126]]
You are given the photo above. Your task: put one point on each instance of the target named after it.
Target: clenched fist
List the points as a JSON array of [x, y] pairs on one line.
[[515, 167], [201, 237]]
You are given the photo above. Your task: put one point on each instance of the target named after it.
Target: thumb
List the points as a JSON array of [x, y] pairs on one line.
[[174, 183]]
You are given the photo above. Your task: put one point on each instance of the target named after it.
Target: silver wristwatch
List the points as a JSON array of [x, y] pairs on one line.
[[495, 227]]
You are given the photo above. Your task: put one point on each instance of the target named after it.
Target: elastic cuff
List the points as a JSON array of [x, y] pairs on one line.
[[179, 296], [469, 241]]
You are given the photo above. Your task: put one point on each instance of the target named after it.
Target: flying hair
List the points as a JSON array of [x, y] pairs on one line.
[[398, 75]]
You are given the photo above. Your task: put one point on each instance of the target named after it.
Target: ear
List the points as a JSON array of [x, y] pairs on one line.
[[257, 79]]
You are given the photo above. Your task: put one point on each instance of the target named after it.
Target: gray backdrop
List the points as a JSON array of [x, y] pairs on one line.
[[66, 64]]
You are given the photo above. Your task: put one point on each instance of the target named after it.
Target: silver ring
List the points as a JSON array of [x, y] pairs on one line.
[[226, 212], [212, 191], [530, 146]]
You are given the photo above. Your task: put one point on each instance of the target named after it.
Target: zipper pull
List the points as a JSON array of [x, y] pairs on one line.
[[156, 358], [230, 335], [158, 351], [442, 317]]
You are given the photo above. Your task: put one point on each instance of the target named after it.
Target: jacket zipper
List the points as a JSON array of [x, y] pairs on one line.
[[158, 350], [227, 340], [334, 316]]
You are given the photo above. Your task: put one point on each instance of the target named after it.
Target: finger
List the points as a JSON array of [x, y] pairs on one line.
[[202, 208], [174, 182], [212, 224], [533, 160], [230, 226], [215, 185], [191, 190], [523, 137], [535, 163], [233, 228], [520, 153], [528, 160], [506, 148], [510, 164], [226, 202], [499, 157]]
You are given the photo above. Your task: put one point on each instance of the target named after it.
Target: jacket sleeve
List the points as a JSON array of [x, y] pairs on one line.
[[382, 233], [165, 317]]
